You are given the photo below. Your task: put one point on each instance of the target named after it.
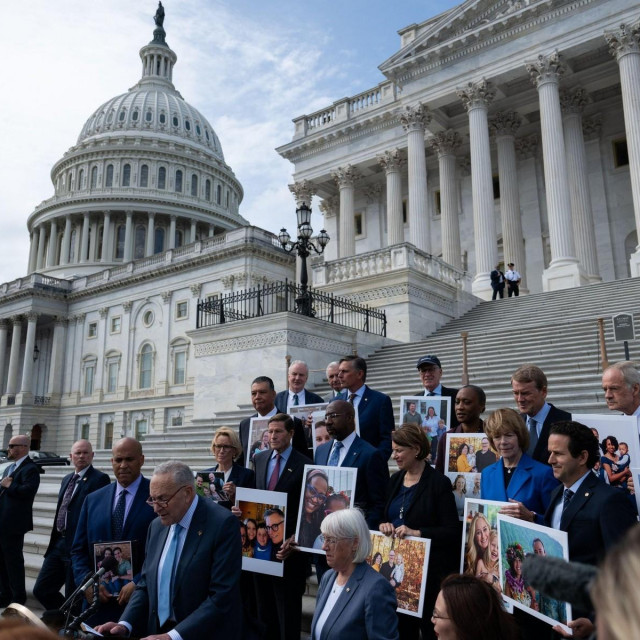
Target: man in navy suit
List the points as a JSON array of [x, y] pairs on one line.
[[297, 377], [118, 512], [430, 371], [375, 413], [18, 488], [56, 568], [333, 378], [529, 385], [190, 582]]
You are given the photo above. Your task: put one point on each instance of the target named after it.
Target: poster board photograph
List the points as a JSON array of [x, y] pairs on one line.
[[209, 485], [518, 538], [619, 447], [264, 515], [117, 560], [258, 439], [404, 563], [461, 466], [324, 490], [432, 413]]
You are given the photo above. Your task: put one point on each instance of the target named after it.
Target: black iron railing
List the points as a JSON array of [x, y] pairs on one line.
[[287, 296]]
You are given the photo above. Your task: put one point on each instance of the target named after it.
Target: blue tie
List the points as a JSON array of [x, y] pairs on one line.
[[9, 470], [117, 518], [335, 454], [167, 575]]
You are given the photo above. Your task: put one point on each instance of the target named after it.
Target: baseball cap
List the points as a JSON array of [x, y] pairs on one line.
[[428, 360]]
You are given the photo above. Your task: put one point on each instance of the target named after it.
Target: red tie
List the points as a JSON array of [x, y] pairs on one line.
[[275, 476]]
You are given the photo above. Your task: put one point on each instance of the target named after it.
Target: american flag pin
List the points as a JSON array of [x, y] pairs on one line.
[[586, 495], [348, 589]]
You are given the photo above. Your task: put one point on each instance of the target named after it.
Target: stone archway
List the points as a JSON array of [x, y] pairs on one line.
[[37, 434]]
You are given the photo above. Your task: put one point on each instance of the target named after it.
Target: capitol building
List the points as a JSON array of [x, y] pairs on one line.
[[503, 131]]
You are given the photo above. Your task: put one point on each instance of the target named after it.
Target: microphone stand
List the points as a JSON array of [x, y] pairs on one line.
[[72, 627]]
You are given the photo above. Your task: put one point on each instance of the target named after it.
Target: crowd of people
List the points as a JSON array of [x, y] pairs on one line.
[[182, 529]]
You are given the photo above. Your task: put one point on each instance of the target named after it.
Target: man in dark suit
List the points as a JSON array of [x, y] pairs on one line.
[[56, 568], [190, 582], [118, 512], [375, 413], [297, 377], [282, 469], [529, 385], [18, 488], [621, 386], [430, 375], [263, 396], [333, 378], [497, 282]]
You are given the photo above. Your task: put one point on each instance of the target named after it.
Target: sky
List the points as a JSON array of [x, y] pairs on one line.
[[249, 66]]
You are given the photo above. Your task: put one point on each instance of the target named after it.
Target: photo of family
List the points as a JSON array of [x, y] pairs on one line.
[[518, 538], [325, 489], [262, 528], [404, 564], [308, 414], [259, 439], [115, 559], [432, 413], [209, 485]]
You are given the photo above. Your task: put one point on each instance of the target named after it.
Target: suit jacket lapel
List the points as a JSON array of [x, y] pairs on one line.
[[352, 456], [581, 497], [521, 476], [495, 479], [322, 600], [347, 593], [191, 544], [137, 504]]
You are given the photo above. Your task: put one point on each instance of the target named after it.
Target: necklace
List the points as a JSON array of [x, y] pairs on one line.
[[510, 470]]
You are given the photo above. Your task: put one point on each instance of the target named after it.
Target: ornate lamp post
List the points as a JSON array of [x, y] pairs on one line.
[[303, 247]]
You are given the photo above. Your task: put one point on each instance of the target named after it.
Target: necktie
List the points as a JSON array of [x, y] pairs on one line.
[[335, 454], [9, 470], [533, 435], [167, 576], [429, 393], [566, 499], [295, 400], [352, 397], [117, 518], [275, 476], [61, 520]]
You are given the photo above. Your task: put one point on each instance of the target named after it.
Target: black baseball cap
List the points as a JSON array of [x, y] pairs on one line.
[[429, 360]]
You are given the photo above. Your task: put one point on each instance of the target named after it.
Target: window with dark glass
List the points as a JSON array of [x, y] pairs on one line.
[[126, 175], [178, 180], [144, 175], [162, 178]]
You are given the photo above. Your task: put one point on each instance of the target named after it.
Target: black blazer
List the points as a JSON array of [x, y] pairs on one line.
[[16, 501], [299, 439], [282, 399], [449, 393], [91, 480], [596, 518], [541, 452]]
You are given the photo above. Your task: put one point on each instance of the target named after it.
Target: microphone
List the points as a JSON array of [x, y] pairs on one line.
[[90, 581], [561, 580]]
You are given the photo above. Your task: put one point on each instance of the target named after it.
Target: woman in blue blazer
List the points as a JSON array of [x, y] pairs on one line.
[[354, 602], [516, 477]]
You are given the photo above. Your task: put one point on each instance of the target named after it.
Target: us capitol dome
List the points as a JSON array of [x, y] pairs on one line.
[[147, 174]]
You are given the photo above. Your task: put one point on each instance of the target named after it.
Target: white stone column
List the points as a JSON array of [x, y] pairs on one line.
[[93, 239], [14, 356], [445, 143], [194, 231], [151, 232], [211, 230], [57, 357], [84, 244], [624, 44], [41, 242], [66, 241], [27, 362], [106, 238], [172, 232], [128, 237], [53, 244], [564, 271], [573, 103], [33, 252], [346, 178], [476, 97], [392, 163], [504, 126], [414, 120], [4, 330], [303, 191]]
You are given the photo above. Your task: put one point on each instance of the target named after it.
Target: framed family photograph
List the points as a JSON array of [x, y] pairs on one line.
[[258, 439], [324, 490], [209, 485], [432, 413], [117, 560], [308, 414], [518, 538], [403, 562], [264, 515]]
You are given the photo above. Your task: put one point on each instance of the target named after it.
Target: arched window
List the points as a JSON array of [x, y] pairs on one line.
[[139, 244], [122, 115], [94, 177], [163, 118], [126, 175], [179, 238], [158, 241], [227, 205], [194, 185], [148, 116], [219, 194], [207, 190], [144, 175], [80, 178], [109, 180], [120, 236], [162, 178], [178, 181], [69, 181], [134, 115], [146, 367]]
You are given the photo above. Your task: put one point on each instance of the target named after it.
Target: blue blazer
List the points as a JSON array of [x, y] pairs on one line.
[[366, 608], [371, 480], [94, 525], [206, 595], [532, 484], [375, 415]]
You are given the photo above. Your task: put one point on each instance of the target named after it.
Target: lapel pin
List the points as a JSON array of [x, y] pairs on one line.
[[586, 495], [348, 589], [200, 532]]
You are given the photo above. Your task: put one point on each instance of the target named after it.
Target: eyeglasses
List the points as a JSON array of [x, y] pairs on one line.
[[332, 416], [163, 503], [273, 527], [331, 540], [436, 614], [223, 447], [316, 495]]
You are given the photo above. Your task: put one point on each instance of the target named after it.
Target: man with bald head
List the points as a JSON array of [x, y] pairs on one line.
[[296, 394], [56, 568], [118, 512], [621, 386], [18, 487], [333, 378]]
